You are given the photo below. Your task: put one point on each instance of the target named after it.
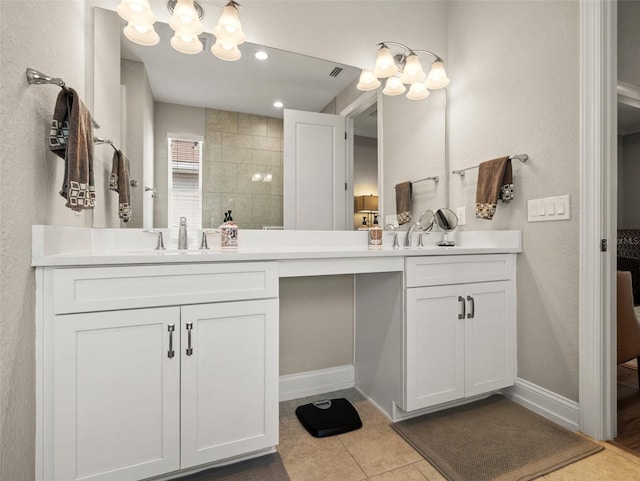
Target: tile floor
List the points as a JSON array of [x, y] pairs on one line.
[[377, 453]]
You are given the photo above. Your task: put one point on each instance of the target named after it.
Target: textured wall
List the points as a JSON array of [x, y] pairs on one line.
[[237, 147], [30, 179], [515, 90]]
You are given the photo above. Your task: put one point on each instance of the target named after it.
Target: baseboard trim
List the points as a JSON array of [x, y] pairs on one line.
[[294, 386], [548, 404]]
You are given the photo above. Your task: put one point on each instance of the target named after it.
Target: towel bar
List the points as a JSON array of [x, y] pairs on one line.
[[520, 157], [35, 77], [435, 178]]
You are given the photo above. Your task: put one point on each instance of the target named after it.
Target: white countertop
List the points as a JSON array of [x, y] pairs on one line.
[[69, 246]]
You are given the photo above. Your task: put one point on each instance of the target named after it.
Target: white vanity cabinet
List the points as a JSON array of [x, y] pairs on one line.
[[132, 391], [460, 328]]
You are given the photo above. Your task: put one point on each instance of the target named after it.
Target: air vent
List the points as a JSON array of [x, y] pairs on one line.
[[336, 71]]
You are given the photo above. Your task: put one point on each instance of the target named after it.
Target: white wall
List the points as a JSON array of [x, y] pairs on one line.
[[514, 89], [175, 119], [631, 193], [139, 133], [414, 148], [628, 37]]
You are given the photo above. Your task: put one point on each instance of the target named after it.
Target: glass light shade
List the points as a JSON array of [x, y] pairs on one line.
[[189, 44], [136, 11], [185, 19], [437, 78], [412, 70], [141, 34], [368, 81], [418, 91], [394, 86], [228, 52], [385, 65], [229, 28]]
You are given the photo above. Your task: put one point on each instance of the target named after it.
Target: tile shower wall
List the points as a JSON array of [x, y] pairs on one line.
[[238, 148]]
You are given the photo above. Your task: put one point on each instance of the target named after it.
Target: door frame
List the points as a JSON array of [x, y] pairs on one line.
[[351, 111], [598, 208]]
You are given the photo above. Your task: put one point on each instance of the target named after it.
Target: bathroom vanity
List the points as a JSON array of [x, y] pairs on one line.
[[150, 364]]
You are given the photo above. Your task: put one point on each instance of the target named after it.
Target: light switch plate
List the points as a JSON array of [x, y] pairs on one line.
[[549, 208], [461, 214]]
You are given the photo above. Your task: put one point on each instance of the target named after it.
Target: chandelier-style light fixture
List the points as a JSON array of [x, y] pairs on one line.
[[185, 22], [407, 65]]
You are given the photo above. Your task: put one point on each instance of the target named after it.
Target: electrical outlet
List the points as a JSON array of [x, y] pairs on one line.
[[461, 213]]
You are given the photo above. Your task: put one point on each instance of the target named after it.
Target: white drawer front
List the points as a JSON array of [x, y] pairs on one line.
[[433, 271], [108, 288]]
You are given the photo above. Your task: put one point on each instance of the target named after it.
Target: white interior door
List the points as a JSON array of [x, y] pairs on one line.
[[314, 171]]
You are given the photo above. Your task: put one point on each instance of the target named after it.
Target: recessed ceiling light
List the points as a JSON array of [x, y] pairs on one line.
[[278, 104], [260, 55]]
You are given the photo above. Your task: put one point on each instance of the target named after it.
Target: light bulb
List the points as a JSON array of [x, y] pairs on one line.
[[418, 91], [437, 77], [228, 27], [136, 11], [261, 55], [385, 65], [394, 86], [412, 70], [226, 51], [187, 44], [277, 104], [368, 81], [141, 34], [185, 19]]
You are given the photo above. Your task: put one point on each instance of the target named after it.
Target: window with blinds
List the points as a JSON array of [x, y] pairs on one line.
[[185, 182]]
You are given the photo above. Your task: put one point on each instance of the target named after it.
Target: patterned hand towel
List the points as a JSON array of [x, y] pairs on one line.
[[403, 202], [119, 182], [71, 138], [495, 181]]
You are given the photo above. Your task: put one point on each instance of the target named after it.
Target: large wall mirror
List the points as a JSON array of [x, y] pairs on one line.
[[198, 120]]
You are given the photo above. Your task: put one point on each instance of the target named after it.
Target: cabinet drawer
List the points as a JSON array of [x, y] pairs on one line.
[[433, 271], [108, 288]]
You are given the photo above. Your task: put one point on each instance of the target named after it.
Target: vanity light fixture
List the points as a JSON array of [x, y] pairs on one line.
[[186, 16], [407, 64]]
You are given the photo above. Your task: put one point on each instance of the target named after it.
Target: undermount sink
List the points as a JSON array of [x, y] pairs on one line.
[[169, 252]]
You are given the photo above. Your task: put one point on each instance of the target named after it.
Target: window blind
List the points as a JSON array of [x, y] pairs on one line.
[[185, 182]]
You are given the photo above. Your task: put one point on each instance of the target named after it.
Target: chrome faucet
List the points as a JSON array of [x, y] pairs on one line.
[[407, 240], [182, 234]]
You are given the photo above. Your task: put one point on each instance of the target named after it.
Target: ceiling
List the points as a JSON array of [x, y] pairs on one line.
[[247, 85]]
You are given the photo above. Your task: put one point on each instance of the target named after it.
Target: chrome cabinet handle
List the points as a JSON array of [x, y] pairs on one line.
[[171, 352], [472, 314], [189, 329], [464, 308]]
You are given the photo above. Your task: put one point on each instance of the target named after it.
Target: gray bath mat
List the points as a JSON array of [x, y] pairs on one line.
[[493, 439], [264, 468]]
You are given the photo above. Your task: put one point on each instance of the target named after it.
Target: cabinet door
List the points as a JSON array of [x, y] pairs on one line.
[[229, 379], [434, 343], [489, 337], [116, 395]]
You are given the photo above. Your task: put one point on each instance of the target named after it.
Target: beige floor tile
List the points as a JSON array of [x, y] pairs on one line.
[[296, 442], [429, 471], [377, 448], [406, 473], [369, 414], [333, 464], [606, 465]]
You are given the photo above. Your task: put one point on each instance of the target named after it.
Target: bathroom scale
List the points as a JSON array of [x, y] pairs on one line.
[[328, 417]]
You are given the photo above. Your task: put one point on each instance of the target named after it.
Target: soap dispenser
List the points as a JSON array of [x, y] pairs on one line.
[[375, 235], [228, 233]]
